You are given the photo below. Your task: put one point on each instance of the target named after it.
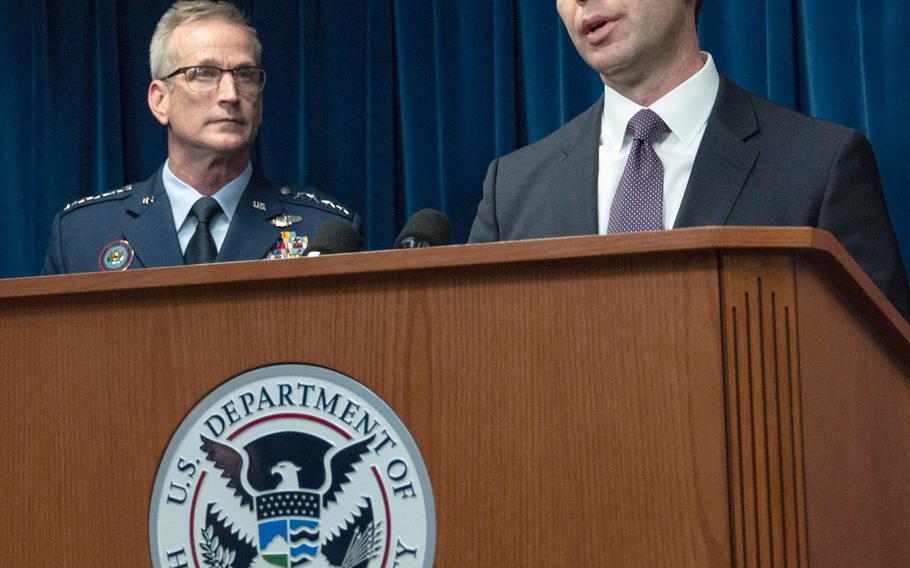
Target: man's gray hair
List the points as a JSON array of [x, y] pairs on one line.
[[184, 12]]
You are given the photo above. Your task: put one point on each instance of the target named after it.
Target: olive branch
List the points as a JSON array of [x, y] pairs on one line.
[[215, 555]]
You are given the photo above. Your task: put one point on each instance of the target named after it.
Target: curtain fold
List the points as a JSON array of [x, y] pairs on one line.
[[396, 105]]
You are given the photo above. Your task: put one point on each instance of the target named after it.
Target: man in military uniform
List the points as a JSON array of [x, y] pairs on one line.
[[206, 203]]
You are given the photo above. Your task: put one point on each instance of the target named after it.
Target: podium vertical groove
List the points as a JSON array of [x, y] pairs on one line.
[[764, 423]]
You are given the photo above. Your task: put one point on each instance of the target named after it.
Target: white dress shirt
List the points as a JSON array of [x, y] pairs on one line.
[[685, 110], [182, 197]]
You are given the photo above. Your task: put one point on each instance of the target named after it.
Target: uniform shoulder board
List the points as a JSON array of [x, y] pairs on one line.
[[118, 193], [310, 196]]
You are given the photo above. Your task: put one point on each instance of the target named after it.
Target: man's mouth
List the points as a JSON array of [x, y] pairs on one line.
[[596, 28]]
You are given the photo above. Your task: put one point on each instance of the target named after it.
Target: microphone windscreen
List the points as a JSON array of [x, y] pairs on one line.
[[427, 227], [333, 237]]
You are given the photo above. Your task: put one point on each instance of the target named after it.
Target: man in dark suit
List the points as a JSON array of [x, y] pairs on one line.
[[716, 155], [206, 203]]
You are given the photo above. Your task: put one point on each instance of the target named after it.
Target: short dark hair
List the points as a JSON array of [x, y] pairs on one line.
[[697, 8]]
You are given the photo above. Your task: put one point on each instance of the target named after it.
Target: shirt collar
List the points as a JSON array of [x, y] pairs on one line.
[[182, 196], [685, 109]]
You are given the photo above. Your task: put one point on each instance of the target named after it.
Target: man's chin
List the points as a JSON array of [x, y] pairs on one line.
[[622, 69], [607, 61], [229, 144]]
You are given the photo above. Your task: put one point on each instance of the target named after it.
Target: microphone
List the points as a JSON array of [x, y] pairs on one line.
[[426, 228], [334, 236]]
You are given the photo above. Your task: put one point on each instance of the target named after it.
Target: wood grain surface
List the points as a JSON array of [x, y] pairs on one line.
[[568, 397], [856, 416]]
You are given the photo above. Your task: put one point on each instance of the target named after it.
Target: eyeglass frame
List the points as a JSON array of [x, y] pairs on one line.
[[221, 72]]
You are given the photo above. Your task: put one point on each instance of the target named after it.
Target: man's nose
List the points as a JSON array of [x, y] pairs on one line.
[[227, 88]]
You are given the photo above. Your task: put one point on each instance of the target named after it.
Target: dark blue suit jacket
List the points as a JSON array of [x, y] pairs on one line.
[[141, 214], [759, 164]]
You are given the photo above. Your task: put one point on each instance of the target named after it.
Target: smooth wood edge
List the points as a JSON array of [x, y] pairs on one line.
[[862, 294], [701, 238], [415, 259]]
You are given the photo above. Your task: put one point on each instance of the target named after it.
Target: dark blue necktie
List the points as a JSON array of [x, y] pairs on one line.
[[201, 247]]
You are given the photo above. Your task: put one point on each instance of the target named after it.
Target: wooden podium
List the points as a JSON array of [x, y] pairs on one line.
[[691, 398]]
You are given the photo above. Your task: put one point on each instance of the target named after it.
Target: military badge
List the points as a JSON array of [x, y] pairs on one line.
[[284, 221], [292, 465], [116, 256]]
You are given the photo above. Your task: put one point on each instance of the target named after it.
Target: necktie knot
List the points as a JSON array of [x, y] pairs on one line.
[[205, 209], [647, 125]]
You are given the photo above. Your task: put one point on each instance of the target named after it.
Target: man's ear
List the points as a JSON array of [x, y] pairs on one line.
[[159, 101]]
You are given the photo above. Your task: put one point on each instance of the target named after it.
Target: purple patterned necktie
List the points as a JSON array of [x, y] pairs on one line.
[[639, 201]]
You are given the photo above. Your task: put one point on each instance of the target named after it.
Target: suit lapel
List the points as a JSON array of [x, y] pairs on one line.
[[250, 234], [149, 226], [574, 178], [724, 160]]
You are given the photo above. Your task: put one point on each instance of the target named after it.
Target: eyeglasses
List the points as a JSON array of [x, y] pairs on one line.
[[205, 78]]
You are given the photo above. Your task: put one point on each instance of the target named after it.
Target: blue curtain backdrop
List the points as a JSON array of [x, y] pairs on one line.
[[396, 105]]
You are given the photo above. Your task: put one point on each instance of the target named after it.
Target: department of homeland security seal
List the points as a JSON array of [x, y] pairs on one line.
[[292, 465]]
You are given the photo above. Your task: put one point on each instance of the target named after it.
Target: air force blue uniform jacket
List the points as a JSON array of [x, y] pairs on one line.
[[140, 215]]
